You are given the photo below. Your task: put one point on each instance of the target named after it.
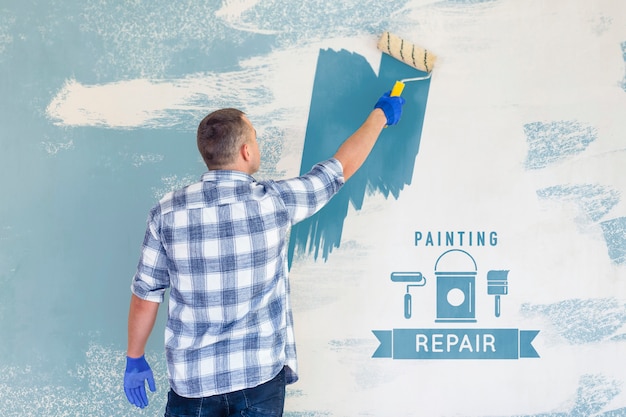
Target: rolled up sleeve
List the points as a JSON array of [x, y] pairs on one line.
[[305, 195], [152, 277]]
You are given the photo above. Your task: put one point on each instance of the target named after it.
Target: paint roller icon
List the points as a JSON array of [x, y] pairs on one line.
[[413, 279], [497, 285]]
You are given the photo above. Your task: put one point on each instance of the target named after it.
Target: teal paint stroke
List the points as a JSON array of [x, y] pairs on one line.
[[582, 321], [556, 141], [594, 200], [345, 91], [553, 142], [594, 393], [615, 236]]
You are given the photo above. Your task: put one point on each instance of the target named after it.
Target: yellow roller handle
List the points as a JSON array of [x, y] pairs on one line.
[[397, 89]]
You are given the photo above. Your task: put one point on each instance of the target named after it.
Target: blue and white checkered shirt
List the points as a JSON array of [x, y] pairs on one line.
[[220, 246]]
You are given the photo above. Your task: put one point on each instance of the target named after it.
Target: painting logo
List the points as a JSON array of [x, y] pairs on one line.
[[456, 272]]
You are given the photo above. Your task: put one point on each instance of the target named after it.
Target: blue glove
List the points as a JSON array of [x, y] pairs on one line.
[[391, 106], [137, 372]]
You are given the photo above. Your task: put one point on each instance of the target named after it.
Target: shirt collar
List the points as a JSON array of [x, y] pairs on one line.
[[226, 175]]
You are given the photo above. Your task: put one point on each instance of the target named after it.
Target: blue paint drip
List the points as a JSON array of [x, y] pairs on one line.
[[594, 200], [583, 321], [345, 91], [553, 142], [615, 237]]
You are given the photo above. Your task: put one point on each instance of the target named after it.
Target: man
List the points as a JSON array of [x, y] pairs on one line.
[[220, 246]]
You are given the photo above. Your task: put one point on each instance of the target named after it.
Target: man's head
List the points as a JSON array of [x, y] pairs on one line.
[[227, 140]]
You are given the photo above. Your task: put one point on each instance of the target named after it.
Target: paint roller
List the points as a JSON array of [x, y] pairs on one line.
[[412, 55], [413, 279], [497, 285]]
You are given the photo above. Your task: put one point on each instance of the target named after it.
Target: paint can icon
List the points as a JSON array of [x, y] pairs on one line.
[[456, 270]]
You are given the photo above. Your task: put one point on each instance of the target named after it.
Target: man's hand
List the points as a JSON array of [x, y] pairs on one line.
[[137, 372], [391, 106]]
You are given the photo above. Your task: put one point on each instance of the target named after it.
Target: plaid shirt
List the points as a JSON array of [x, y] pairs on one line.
[[220, 246]]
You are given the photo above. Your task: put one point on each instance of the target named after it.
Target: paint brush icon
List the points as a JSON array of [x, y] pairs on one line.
[[497, 285]]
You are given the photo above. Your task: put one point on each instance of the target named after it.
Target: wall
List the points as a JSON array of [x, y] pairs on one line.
[[504, 178]]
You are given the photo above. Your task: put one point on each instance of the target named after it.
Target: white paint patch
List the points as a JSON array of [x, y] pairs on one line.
[[173, 182], [6, 38], [121, 105], [149, 158], [232, 12], [501, 64], [265, 86], [52, 148]]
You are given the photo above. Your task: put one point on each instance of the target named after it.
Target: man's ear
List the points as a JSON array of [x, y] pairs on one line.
[[245, 152]]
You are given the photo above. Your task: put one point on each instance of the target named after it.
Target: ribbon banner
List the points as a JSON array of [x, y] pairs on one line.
[[455, 344]]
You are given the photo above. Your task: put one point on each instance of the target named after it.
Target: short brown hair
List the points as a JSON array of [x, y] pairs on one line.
[[220, 135]]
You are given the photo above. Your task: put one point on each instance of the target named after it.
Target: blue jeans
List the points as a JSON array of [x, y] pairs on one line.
[[266, 400]]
